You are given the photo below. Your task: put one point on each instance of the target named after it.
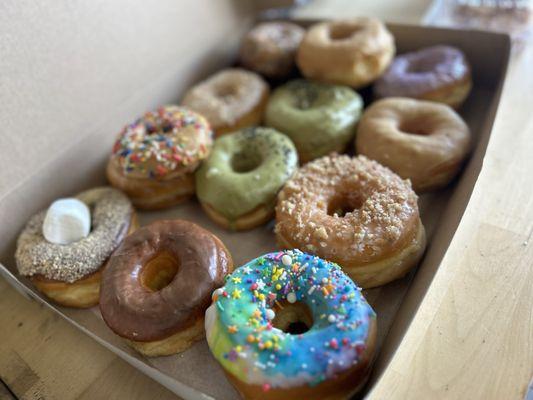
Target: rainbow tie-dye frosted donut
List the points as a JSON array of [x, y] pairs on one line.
[[291, 322]]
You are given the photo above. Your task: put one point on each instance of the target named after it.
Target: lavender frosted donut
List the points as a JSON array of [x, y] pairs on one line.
[[437, 73]]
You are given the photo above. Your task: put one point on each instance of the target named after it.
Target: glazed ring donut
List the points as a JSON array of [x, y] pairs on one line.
[[355, 212], [291, 325], [70, 274], [437, 73], [423, 141], [270, 48], [154, 159], [238, 184], [158, 285], [231, 99], [318, 117], [351, 52]]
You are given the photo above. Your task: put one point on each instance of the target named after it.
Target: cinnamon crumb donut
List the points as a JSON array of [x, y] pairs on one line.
[[423, 141], [231, 99], [355, 212], [351, 52]]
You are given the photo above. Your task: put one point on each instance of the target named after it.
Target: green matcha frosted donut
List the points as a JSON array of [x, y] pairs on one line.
[[319, 118], [237, 185]]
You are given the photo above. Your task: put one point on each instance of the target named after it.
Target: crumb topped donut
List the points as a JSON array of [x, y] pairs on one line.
[[292, 325], [154, 159], [355, 212], [351, 52], [231, 99], [70, 274], [270, 48], [158, 285]]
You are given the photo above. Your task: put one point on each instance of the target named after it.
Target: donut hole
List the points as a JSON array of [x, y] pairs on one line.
[[159, 271], [343, 32], [342, 205], [414, 126], [226, 92], [244, 161], [293, 318], [420, 67]]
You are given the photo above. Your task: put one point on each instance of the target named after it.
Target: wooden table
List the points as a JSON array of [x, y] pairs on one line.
[[472, 338]]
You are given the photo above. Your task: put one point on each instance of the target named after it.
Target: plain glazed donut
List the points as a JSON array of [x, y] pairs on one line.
[[231, 99], [318, 117], [351, 52], [437, 73], [289, 325], [355, 212], [70, 274], [158, 284], [238, 184], [154, 159], [423, 141], [270, 48]]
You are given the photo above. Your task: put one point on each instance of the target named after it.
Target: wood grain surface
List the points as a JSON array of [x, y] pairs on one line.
[[472, 338]]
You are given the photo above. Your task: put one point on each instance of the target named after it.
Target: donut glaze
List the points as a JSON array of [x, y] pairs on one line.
[[319, 118], [437, 73], [242, 334], [136, 312]]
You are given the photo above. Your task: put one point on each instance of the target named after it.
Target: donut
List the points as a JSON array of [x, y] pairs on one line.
[[355, 212], [423, 141], [437, 73], [319, 118], [158, 285], [351, 52], [70, 274], [154, 159], [292, 325], [237, 185], [231, 99], [270, 48]]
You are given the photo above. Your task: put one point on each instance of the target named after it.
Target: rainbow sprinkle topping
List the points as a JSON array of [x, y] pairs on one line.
[[163, 141], [241, 322]]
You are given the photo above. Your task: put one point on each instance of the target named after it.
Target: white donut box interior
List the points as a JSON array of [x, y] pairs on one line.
[[80, 72]]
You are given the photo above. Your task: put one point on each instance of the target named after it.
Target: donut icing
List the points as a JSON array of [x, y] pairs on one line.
[[111, 213], [232, 192], [242, 338], [162, 142], [319, 118]]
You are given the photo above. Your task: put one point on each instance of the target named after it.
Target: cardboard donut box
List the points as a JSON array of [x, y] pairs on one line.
[[73, 80]]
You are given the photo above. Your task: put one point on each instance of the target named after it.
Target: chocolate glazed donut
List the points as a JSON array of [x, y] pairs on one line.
[[158, 284]]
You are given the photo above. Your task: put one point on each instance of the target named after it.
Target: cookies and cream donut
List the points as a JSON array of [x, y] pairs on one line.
[[154, 159], [231, 99], [237, 185], [158, 284], [270, 48], [292, 325], [352, 52], [437, 73], [355, 212], [423, 141], [319, 118], [70, 273]]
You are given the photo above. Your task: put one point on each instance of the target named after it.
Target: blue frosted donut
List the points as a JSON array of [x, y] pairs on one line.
[[291, 322]]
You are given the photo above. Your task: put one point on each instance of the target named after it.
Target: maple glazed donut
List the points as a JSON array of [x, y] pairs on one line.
[[270, 48], [423, 141], [237, 185], [231, 99], [355, 212], [351, 52], [437, 73], [70, 274], [158, 285], [291, 325], [154, 159]]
